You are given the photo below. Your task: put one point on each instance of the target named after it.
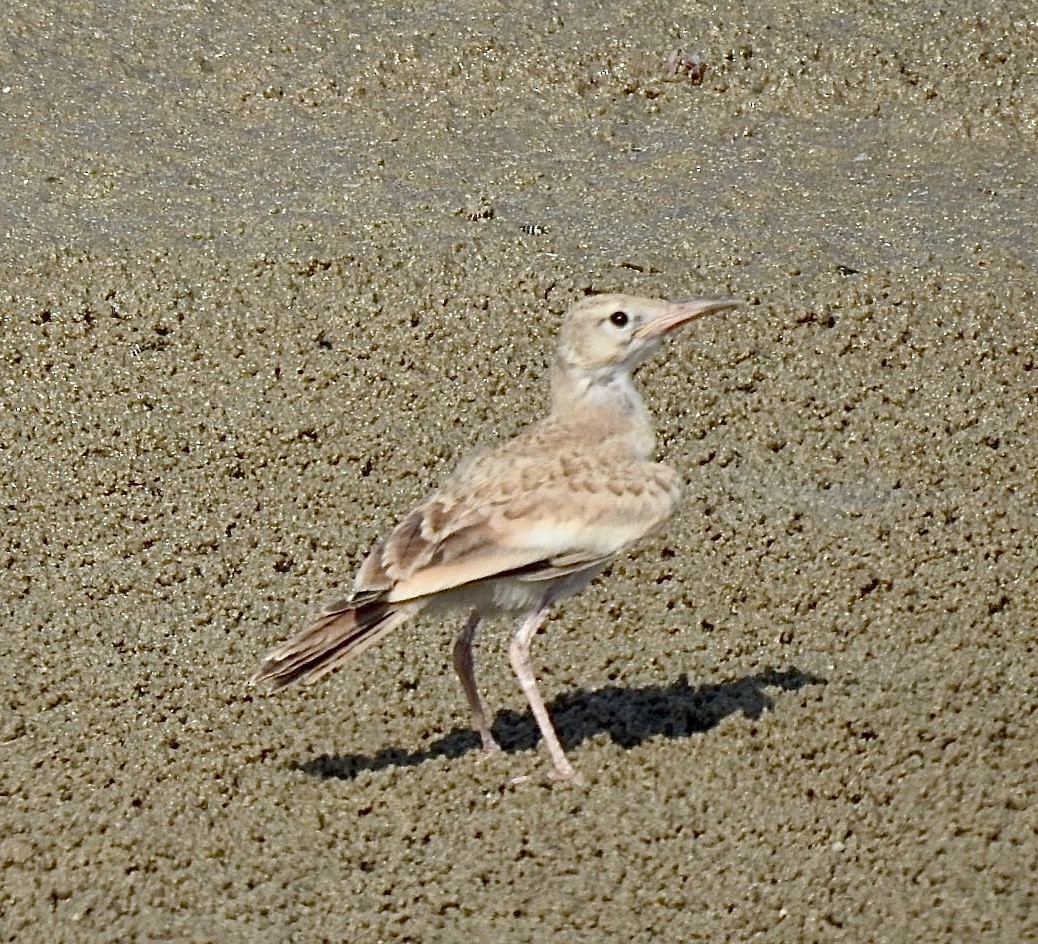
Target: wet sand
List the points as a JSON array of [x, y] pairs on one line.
[[267, 276]]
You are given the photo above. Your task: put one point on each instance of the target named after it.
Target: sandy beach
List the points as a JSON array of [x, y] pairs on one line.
[[267, 274]]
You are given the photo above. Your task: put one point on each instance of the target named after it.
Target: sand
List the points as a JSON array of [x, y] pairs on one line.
[[268, 273]]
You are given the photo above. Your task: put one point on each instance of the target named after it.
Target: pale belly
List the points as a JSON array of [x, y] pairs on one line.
[[513, 594]]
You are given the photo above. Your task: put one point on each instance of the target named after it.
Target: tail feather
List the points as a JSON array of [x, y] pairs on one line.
[[337, 635]]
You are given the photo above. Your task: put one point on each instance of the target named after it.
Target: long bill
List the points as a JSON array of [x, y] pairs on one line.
[[679, 313]]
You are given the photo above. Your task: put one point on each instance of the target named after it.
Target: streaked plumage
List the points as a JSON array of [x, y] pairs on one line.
[[521, 526]]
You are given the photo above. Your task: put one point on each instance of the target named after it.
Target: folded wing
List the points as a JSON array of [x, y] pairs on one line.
[[560, 523]]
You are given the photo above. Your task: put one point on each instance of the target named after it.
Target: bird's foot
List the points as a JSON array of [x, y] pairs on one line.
[[564, 773], [490, 746]]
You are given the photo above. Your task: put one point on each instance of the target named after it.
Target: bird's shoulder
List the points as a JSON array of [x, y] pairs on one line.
[[551, 456]]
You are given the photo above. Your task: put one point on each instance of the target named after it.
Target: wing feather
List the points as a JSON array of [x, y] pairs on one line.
[[560, 521]]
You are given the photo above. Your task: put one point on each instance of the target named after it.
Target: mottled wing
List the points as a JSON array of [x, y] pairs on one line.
[[560, 519]]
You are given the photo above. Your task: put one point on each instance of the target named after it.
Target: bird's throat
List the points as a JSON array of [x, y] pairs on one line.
[[603, 402]]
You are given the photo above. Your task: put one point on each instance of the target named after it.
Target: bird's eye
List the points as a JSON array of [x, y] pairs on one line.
[[619, 319]]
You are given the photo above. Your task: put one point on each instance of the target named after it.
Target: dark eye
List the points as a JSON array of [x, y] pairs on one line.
[[619, 319]]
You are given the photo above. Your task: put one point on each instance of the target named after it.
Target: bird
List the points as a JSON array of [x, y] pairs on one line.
[[518, 527]]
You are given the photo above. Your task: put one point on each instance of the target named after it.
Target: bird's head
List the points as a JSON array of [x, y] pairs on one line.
[[605, 333]]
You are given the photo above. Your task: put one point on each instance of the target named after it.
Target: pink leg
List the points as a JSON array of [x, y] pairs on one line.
[[463, 665], [519, 653]]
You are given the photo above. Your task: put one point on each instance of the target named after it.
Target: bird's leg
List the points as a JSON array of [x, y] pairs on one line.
[[463, 665], [519, 654]]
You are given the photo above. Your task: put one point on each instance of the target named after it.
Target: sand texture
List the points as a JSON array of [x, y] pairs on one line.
[[269, 270]]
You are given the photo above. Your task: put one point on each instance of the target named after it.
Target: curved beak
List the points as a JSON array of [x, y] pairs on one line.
[[677, 314]]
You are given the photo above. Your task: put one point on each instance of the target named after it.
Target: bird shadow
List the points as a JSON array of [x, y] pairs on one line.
[[628, 715]]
